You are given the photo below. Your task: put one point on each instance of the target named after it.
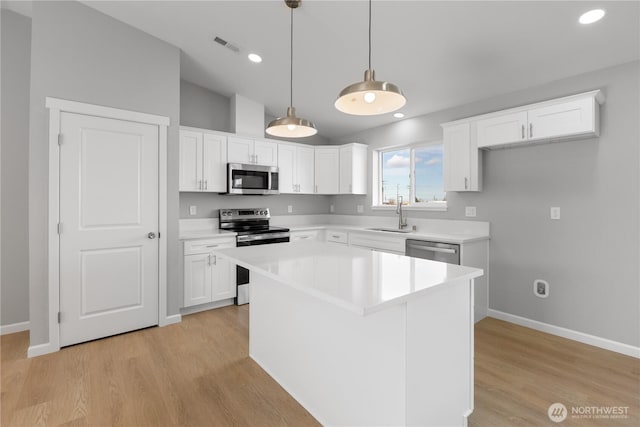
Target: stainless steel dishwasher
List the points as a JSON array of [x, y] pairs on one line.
[[435, 251]]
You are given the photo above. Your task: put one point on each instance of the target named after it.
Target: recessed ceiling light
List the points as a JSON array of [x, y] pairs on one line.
[[254, 57], [398, 115], [591, 16]]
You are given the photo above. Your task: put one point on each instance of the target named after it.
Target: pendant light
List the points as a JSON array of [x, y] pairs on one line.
[[291, 126], [370, 97]]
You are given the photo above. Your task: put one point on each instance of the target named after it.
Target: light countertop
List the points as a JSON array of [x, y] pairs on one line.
[[358, 280], [209, 233]]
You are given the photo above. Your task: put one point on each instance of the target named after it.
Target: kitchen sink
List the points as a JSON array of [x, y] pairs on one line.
[[392, 230]]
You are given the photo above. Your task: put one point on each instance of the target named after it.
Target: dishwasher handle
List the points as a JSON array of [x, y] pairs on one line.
[[432, 249]]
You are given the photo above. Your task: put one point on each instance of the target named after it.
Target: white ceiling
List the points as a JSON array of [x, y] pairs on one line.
[[441, 54]]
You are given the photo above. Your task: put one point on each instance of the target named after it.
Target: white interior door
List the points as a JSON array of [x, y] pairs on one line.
[[108, 208]]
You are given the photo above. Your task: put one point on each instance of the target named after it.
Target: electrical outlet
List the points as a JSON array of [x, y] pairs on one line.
[[290, 209], [360, 208], [541, 288], [193, 210], [470, 211], [332, 209], [554, 212]]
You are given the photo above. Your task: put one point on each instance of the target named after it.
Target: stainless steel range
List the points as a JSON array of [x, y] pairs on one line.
[[252, 226]]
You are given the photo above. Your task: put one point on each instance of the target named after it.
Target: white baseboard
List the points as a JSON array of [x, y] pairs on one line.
[[204, 307], [40, 349], [170, 320], [593, 340], [14, 327]]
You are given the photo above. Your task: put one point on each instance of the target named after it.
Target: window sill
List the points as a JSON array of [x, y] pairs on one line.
[[411, 208]]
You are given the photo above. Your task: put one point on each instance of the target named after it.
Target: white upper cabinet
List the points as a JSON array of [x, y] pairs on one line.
[[462, 161], [503, 129], [265, 152], [353, 169], [190, 161], [296, 166], [252, 151], [564, 118], [327, 170], [203, 161]]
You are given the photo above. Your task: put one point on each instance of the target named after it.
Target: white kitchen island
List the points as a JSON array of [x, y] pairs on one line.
[[360, 337]]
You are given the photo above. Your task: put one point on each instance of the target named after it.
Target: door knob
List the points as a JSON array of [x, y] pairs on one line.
[[151, 235]]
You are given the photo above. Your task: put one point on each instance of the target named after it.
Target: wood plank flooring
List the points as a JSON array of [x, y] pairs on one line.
[[198, 373]]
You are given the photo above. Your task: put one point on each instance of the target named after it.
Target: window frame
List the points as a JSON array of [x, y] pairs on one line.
[[376, 200]]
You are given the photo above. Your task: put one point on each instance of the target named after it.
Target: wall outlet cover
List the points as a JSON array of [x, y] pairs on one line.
[[360, 208], [554, 212], [332, 209], [541, 288], [470, 211], [193, 210], [290, 209]]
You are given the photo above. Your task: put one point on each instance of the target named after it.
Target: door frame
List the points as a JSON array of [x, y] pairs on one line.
[[57, 106]]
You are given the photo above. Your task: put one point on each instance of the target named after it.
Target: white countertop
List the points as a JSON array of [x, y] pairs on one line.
[[359, 280], [208, 233]]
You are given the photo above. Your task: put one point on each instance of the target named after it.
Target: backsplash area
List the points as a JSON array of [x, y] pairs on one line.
[[208, 204]]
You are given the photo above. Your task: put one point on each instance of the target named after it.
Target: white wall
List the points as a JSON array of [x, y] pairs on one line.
[[14, 93], [590, 257], [82, 55], [201, 108]]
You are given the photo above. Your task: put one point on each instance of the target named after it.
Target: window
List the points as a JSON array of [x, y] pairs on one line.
[[412, 173]]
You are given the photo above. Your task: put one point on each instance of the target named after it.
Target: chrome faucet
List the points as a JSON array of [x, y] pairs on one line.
[[402, 221]]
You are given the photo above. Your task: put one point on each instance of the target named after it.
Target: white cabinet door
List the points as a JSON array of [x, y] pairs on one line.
[[190, 160], [353, 169], [197, 279], [214, 163], [504, 129], [327, 170], [222, 285], [346, 170], [265, 153], [305, 169], [287, 169], [239, 150], [565, 118], [456, 157]]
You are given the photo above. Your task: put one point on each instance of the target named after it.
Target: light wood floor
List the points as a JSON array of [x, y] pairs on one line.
[[198, 373]]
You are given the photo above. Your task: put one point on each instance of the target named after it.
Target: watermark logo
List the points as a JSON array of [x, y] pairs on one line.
[[557, 412]]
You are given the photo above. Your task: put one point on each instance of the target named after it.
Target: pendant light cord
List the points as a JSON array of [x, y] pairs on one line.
[[291, 63], [369, 34]]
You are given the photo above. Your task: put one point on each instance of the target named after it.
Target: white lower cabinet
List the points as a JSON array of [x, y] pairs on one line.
[[391, 244], [337, 236], [297, 236], [207, 277]]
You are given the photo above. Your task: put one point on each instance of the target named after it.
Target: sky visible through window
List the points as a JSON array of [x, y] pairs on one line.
[[396, 168]]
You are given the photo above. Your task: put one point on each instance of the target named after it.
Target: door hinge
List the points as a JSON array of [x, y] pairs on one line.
[[59, 228], [59, 316], [158, 234], [59, 139]]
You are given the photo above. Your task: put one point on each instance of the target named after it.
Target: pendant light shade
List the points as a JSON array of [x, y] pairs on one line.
[[291, 126], [370, 97]]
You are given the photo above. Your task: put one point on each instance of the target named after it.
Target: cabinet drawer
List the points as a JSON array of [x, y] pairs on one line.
[[337, 236], [381, 243], [297, 236], [207, 245]]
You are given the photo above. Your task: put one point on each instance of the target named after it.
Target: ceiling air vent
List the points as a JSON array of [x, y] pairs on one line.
[[226, 44]]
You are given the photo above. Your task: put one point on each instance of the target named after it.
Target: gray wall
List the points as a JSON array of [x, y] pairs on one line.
[[16, 58], [82, 55], [208, 204], [590, 256], [202, 108]]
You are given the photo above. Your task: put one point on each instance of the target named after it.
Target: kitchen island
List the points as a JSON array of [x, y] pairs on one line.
[[361, 337]]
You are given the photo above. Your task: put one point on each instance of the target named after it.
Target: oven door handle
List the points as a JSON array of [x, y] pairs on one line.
[[256, 237]]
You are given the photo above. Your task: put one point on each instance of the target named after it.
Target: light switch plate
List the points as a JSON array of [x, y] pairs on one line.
[[360, 208], [193, 210], [290, 209], [470, 211], [554, 212]]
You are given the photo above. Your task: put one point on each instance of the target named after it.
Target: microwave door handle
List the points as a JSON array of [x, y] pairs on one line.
[[269, 180]]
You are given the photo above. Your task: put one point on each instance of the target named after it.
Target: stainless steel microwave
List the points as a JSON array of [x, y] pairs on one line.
[[252, 179]]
